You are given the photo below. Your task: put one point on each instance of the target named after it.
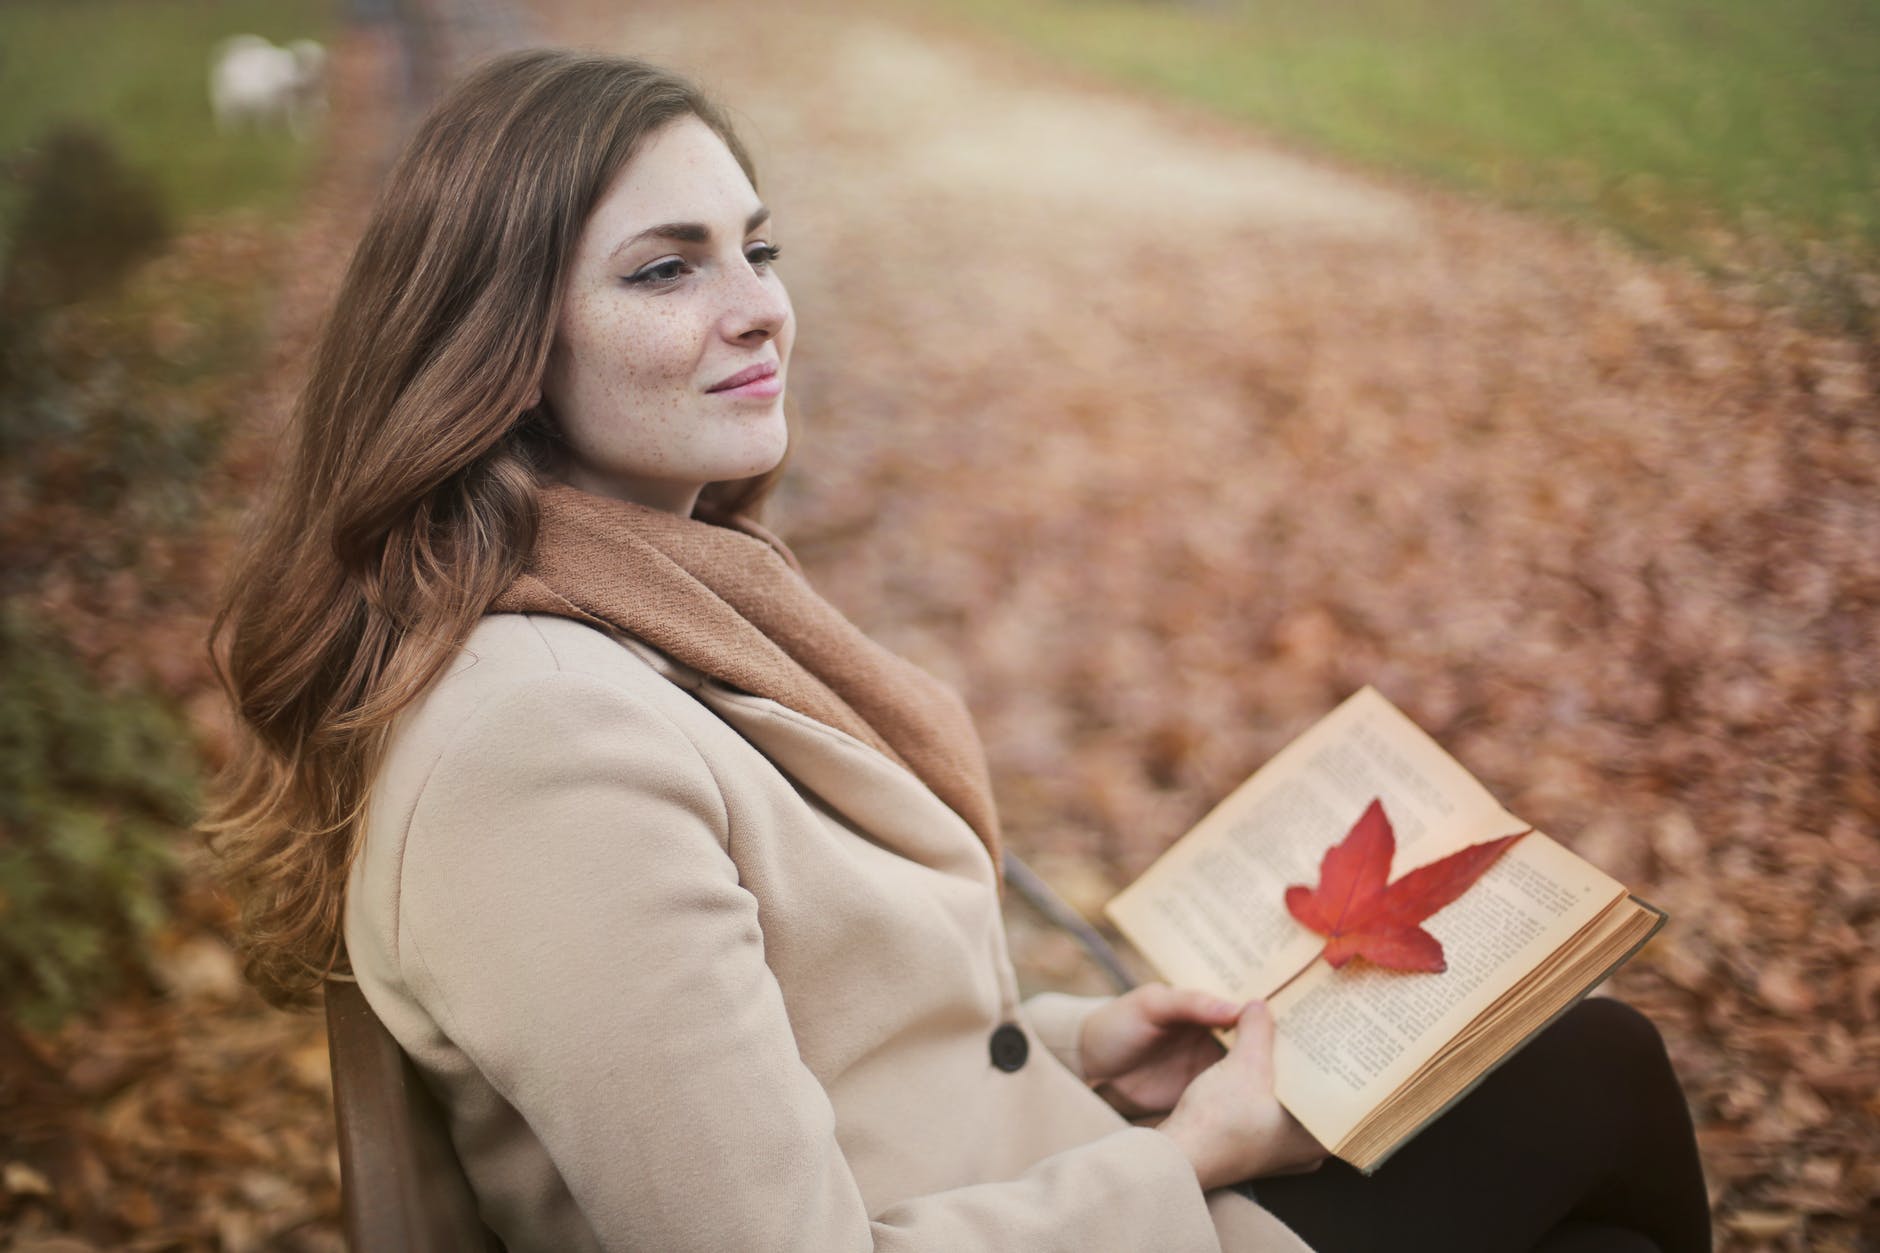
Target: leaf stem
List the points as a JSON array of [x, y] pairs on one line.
[[1295, 977]]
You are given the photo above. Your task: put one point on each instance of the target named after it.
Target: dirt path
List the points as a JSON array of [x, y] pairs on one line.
[[1158, 440]]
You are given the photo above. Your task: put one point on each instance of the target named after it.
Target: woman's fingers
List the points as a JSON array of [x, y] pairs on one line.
[[1164, 1005], [1292, 1150], [1253, 1043], [1229, 1120]]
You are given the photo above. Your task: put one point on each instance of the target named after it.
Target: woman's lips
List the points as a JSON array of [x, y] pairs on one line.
[[757, 380]]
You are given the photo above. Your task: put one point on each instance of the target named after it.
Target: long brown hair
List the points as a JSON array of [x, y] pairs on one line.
[[410, 499]]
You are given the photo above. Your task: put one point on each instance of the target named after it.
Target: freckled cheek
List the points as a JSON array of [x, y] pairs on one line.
[[639, 373], [660, 350]]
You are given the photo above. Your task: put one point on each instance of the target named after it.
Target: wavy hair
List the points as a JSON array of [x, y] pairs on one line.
[[409, 501]]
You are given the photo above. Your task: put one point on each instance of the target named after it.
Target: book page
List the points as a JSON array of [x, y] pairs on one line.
[[1563, 978], [1211, 912], [1349, 1038]]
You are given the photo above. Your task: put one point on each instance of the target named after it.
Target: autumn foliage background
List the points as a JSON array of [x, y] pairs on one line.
[[1154, 431]]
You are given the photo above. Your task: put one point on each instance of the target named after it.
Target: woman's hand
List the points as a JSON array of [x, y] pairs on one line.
[[1228, 1122], [1142, 1049]]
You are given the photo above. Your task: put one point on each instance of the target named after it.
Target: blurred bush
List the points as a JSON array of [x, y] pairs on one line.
[[98, 460], [138, 253], [92, 784], [85, 220]]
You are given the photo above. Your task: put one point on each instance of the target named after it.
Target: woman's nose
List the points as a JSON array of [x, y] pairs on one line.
[[757, 306]]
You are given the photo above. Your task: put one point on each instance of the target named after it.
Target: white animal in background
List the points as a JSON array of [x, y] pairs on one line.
[[252, 82]]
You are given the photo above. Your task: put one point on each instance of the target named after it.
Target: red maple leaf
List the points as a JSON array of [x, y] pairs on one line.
[[1365, 918]]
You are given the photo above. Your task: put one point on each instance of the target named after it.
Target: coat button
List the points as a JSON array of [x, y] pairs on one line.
[[1010, 1048]]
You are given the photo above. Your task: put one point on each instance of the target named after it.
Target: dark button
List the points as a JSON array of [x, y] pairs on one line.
[[1010, 1048]]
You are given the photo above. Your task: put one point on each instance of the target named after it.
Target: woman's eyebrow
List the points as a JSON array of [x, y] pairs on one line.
[[690, 232]]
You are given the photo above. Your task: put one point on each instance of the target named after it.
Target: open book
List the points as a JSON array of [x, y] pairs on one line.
[[1366, 1057]]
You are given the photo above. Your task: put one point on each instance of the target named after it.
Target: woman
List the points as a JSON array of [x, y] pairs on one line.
[[680, 891]]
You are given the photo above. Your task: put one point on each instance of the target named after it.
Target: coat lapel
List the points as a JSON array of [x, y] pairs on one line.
[[884, 800]]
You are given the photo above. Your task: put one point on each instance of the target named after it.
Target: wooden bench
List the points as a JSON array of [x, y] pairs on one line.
[[402, 1189]]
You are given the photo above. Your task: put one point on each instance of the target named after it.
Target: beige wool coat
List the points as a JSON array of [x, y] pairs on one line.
[[692, 970]]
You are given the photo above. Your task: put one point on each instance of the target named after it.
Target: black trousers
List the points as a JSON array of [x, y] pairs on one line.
[[1580, 1143]]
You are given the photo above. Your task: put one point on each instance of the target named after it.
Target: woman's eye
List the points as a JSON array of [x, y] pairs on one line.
[[763, 255], [668, 271]]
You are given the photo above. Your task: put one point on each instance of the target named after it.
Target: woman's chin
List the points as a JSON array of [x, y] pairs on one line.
[[763, 453]]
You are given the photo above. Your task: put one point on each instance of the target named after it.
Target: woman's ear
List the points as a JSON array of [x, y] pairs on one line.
[[535, 399]]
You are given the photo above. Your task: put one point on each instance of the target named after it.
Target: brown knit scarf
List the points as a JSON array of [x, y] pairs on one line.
[[733, 604]]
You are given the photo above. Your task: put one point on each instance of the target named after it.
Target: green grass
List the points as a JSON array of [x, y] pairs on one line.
[[1686, 125], [138, 70]]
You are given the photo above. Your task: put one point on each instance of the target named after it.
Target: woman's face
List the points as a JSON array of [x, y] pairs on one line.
[[670, 296]]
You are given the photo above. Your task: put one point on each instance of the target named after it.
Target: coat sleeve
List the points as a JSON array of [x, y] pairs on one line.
[[570, 917], [1057, 1019]]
